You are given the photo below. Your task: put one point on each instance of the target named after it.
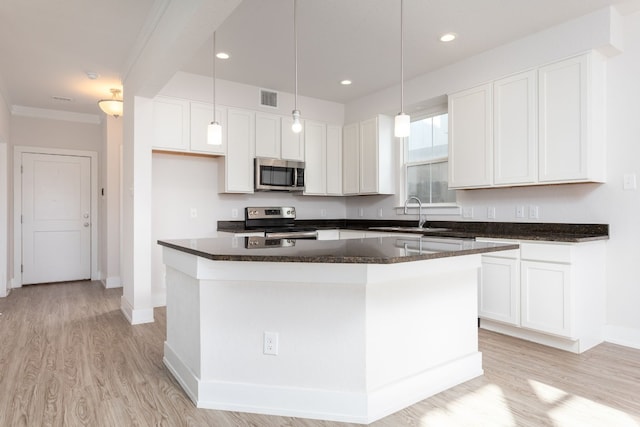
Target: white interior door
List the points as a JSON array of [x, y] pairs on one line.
[[56, 218]]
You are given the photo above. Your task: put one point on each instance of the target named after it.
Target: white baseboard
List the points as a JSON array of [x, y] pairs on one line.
[[112, 282], [361, 407], [135, 316], [622, 335]]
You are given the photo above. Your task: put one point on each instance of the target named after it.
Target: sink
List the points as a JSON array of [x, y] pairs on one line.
[[410, 229]]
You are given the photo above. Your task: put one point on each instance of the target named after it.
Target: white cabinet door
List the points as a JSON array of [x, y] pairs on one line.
[[170, 124], [237, 173], [201, 117], [315, 149], [499, 290], [334, 160], [546, 299], [292, 143], [350, 159], [563, 104], [471, 138], [515, 129], [268, 135]]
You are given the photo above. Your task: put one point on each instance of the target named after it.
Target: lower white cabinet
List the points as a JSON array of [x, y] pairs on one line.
[[547, 292], [499, 292]]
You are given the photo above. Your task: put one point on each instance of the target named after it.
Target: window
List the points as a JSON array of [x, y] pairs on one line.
[[426, 154]]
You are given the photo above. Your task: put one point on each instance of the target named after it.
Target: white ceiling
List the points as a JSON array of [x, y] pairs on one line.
[[47, 46]]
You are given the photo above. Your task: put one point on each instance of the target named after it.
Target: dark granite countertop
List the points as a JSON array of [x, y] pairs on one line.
[[554, 232], [383, 250]]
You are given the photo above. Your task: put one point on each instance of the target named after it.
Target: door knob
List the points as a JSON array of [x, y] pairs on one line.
[[86, 224]]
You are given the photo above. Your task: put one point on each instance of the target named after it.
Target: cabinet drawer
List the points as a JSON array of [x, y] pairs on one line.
[[559, 253]]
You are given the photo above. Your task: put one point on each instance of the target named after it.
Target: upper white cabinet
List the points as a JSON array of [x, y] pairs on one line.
[[538, 127], [170, 124], [515, 133], [268, 129], [315, 163], [471, 138], [181, 125], [200, 118], [350, 160], [236, 174], [334, 160], [571, 125], [292, 143], [368, 166]]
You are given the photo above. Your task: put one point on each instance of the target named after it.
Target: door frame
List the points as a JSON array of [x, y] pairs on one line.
[[17, 205]]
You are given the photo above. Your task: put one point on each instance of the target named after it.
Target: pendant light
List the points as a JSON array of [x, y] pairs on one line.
[[113, 106], [214, 131], [296, 127], [402, 121]]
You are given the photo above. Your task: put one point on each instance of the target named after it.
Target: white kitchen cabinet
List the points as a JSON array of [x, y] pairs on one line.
[[170, 124], [236, 174], [557, 298], [571, 124], [376, 156], [471, 137], [368, 157], [201, 115], [499, 288], [315, 163], [292, 143], [350, 160], [329, 234], [543, 126], [268, 140], [352, 234], [334, 160], [515, 119], [546, 298]]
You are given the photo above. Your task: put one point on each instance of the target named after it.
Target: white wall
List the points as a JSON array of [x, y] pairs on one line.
[[578, 203], [50, 133], [5, 231]]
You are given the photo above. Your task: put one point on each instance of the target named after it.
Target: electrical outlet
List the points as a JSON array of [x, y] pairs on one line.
[[194, 213], [234, 213], [323, 212], [271, 343], [629, 181], [360, 212], [380, 212], [533, 212], [491, 212], [467, 212], [519, 211]]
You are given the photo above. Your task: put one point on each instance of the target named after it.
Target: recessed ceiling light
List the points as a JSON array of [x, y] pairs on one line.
[[448, 37], [92, 75], [345, 82], [222, 55]]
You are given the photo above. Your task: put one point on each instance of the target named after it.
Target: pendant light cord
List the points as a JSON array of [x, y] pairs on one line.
[[401, 57], [295, 53], [214, 77]]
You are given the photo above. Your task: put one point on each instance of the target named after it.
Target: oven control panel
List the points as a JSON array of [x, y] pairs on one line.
[[284, 212]]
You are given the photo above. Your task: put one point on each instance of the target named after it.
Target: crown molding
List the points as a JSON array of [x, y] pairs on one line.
[[43, 113]]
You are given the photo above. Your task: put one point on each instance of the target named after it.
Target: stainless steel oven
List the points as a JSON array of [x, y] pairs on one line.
[[278, 222], [278, 175]]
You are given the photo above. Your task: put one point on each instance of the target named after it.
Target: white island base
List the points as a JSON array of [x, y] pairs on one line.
[[356, 342]]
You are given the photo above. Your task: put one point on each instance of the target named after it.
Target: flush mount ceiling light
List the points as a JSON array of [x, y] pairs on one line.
[[402, 124], [222, 55], [214, 131], [296, 127], [113, 106], [345, 82], [448, 37]]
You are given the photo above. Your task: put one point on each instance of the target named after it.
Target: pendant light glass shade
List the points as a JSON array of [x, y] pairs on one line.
[[296, 126], [402, 125], [113, 106], [214, 131], [214, 134]]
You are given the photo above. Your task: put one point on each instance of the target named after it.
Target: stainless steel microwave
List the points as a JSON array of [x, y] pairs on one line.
[[278, 175]]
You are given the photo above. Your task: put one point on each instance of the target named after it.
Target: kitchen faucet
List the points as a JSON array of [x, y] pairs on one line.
[[421, 221]]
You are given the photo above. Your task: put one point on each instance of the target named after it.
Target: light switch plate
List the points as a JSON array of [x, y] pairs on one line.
[[629, 181]]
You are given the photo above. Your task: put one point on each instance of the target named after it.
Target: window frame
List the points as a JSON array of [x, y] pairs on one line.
[[436, 111]]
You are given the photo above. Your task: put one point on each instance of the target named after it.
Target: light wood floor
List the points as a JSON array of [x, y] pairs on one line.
[[68, 357]]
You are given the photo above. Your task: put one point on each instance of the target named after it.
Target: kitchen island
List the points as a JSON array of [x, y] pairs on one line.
[[346, 330]]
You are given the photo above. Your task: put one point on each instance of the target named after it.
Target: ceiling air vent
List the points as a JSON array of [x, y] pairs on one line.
[[268, 98]]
